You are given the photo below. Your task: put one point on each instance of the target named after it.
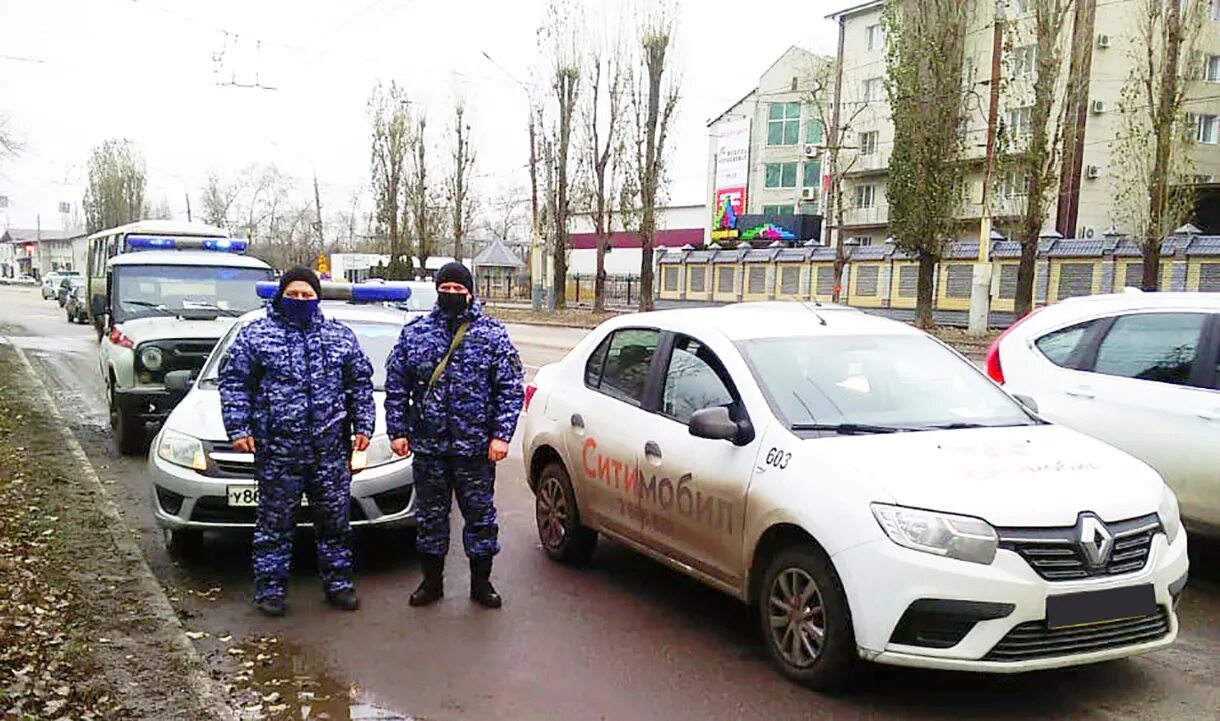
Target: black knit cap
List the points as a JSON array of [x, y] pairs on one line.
[[455, 272], [299, 273]]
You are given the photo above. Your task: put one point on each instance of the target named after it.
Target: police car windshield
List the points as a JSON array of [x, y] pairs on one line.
[[141, 291], [376, 340], [900, 382]]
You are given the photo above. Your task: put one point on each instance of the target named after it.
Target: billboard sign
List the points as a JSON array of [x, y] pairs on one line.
[[732, 174]]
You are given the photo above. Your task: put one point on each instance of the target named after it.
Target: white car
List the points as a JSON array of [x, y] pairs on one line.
[[1140, 371], [862, 484]]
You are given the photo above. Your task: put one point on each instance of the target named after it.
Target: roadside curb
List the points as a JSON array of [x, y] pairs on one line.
[[157, 604]]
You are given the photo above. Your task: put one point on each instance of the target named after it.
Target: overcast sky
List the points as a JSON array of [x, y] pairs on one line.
[[74, 72]]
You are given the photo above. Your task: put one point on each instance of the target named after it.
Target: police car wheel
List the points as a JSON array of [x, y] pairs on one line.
[[128, 430], [805, 620], [184, 544], [563, 537]]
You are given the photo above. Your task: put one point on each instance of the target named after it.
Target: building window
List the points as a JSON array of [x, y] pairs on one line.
[[1075, 279], [814, 131], [908, 281], [1019, 7], [866, 196], [874, 90], [779, 209], [860, 240], [671, 280], [1018, 121], [790, 281], [813, 174], [1008, 281], [1014, 184], [868, 142], [875, 35], [826, 280], [780, 175], [1024, 61], [698, 280], [1207, 129], [1216, 10], [756, 280], [1212, 72], [958, 279], [866, 280], [784, 124], [725, 280]]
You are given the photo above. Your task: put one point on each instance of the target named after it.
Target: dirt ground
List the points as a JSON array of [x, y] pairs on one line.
[[77, 637]]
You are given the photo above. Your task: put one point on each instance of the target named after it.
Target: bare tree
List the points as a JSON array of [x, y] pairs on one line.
[[162, 210], [10, 145], [926, 41], [422, 206], [219, 199], [115, 194], [1040, 102], [1151, 160], [601, 112], [560, 37], [462, 203], [653, 94], [505, 212], [390, 129]]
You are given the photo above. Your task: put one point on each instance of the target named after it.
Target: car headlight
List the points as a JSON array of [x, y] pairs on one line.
[[378, 454], [152, 358], [941, 534], [1171, 516], [182, 450]]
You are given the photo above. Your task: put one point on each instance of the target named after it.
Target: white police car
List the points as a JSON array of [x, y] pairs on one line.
[[199, 483], [873, 493]]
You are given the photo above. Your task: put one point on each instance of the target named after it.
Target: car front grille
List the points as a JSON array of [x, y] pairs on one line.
[[1057, 554], [215, 509], [178, 355], [1034, 640]]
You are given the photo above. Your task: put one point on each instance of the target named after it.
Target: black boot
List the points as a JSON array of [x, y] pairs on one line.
[[345, 599], [432, 589], [481, 590], [273, 606]]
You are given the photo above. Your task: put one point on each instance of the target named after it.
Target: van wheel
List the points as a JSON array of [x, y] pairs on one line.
[[129, 435], [805, 620], [184, 544], [563, 536]]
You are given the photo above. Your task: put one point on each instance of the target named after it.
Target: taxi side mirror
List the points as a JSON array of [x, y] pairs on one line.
[[179, 381], [1030, 404], [714, 423]]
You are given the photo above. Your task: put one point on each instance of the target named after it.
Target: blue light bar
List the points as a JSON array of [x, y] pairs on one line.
[[371, 293], [169, 242]]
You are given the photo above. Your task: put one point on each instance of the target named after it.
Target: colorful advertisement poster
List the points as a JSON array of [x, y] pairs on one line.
[[732, 173]]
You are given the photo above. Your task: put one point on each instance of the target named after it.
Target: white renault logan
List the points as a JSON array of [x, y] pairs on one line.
[[868, 489]]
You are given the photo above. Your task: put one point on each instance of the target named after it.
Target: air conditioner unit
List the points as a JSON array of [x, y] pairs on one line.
[[812, 150], [1103, 41], [1093, 172], [1099, 107], [1088, 233], [809, 194]]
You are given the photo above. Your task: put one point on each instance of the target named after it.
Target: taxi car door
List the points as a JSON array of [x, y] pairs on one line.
[[600, 417], [691, 494]]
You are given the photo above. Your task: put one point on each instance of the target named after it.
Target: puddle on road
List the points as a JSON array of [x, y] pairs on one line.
[[277, 682]]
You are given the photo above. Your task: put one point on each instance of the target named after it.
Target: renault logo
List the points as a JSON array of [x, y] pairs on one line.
[[1096, 541]]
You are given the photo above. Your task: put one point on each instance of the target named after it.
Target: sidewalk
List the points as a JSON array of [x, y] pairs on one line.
[[86, 631]]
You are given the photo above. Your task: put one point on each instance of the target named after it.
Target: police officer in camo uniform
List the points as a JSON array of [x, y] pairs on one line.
[[296, 390], [453, 394]]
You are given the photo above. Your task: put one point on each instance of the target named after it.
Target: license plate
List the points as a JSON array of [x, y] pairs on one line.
[[247, 497], [1092, 607]]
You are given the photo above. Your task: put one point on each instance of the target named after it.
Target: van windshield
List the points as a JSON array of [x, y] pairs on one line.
[[141, 291]]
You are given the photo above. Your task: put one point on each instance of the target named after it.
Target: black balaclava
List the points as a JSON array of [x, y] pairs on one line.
[[454, 304], [298, 312], [300, 272]]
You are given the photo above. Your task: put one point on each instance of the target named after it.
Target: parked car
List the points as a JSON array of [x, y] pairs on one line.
[[199, 483], [861, 484], [1136, 370], [76, 308], [50, 285], [25, 280]]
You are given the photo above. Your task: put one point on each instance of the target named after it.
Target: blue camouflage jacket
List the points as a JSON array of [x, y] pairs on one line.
[[297, 389], [478, 397]]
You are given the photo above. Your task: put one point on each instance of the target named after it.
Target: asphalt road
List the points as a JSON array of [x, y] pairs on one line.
[[623, 639]]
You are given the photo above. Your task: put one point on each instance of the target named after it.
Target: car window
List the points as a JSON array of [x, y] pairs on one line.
[[628, 358], [1060, 345], [691, 381], [1152, 346], [596, 363]]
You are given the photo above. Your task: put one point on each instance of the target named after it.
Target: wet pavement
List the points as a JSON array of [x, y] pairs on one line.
[[622, 639]]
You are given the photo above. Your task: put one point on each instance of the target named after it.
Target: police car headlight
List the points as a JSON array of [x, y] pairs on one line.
[[378, 454], [1171, 516], [942, 534], [182, 450], [152, 358]]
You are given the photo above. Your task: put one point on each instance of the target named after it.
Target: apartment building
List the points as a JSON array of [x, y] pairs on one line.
[[1102, 41], [766, 155]]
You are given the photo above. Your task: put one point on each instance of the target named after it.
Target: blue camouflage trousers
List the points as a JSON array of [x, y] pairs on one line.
[[472, 478], [326, 480]]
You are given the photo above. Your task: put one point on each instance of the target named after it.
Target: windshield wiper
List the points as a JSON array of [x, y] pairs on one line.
[[963, 425], [195, 305], [849, 429]]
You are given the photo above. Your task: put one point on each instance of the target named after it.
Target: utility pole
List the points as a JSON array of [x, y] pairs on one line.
[[537, 257], [980, 290], [188, 207], [317, 202]]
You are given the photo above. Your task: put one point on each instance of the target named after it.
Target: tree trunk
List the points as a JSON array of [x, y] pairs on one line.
[[1023, 303], [1151, 281], [599, 280], [927, 291]]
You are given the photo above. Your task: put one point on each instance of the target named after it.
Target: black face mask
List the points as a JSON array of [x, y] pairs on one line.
[[452, 303]]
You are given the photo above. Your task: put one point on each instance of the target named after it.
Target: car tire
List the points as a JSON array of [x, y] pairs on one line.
[[563, 536], [791, 616], [184, 544], [129, 431]]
